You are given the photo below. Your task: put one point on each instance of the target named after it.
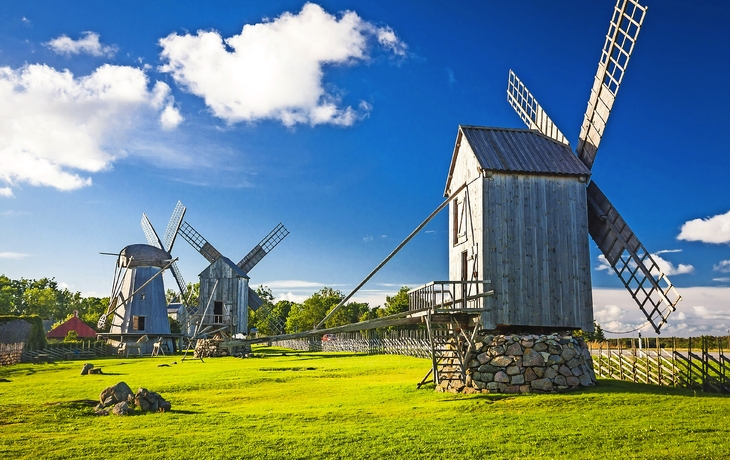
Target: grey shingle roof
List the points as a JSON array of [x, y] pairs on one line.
[[522, 150]]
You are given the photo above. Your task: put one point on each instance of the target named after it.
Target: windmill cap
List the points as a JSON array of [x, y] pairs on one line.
[[143, 255]]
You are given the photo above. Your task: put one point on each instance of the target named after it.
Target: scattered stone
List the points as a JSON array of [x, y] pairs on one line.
[[121, 408], [163, 365], [87, 367], [95, 371], [116, 394], [149, 401]]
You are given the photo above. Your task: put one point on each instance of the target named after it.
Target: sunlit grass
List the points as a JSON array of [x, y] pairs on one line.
[[336, 405]]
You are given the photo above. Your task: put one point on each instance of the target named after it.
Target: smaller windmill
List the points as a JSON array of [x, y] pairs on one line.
[[137, 304], [225, 295]]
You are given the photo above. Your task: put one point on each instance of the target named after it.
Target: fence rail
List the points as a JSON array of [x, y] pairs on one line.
[[701, 365], [14, 353]]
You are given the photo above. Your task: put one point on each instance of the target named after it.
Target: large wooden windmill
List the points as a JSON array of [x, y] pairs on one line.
[[225, 295], [524, 216]]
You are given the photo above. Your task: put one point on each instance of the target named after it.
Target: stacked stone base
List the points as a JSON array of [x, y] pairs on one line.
[[521, 363]]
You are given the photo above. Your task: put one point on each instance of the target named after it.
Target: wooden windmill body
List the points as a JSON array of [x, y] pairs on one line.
[[528, 205]]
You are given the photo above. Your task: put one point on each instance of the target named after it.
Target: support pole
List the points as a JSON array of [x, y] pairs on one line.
[[392, 254]]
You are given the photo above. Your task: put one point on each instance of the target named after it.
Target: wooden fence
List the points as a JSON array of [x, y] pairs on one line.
[[701, 365], [19, 352], [399, 342]]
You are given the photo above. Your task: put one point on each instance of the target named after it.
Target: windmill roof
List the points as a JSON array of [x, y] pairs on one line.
[[143, 255], [72, 324], [518, 150], [236, 270]]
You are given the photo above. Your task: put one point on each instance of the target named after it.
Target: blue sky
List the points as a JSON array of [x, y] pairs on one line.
[[339, 120]]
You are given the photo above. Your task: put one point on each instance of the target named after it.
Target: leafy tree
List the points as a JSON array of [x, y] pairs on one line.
[[397, 303], [172, 295], [596, 336], [175, 326], [304, 316], [347, 314], [72, 336]]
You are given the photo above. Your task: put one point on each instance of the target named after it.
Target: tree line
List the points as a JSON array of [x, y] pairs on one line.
[[44, 298], [285, 316]]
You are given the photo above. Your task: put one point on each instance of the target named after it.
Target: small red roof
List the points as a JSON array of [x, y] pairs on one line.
[[73, 324]]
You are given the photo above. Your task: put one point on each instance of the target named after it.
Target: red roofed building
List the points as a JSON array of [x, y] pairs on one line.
[[73, 324]]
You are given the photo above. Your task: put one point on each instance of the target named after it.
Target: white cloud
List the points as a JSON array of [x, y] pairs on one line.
[[368, 238], [170, 117], [6, 192], [705, 313], [13, 255], [293, 284], [715, 229], [58, 125], [88, 44], [274, 69], [668, 268], [703, 310], [603, 265], [722, 280], [723, 266]]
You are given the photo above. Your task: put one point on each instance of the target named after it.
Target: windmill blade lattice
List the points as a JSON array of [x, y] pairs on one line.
[[628, 16], [150, 233], [173, 225], [264, 247], [530, 111], [197, 241], [639, 272]]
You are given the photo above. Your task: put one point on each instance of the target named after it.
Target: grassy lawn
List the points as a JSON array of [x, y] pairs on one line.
[[337, 405]]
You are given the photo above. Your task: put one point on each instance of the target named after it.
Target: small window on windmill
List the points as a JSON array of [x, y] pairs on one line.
[[138, 323], [141, 296], [456, 221], [460, 209]]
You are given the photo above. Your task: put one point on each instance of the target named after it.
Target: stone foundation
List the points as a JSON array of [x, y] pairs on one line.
[[521, 363]]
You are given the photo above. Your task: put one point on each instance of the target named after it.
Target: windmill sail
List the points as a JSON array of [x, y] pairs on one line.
[[530, 111], [628, 16], [264, 247], [154, 240], [197, 241], [639, 272], [150, 233], [173, 225]]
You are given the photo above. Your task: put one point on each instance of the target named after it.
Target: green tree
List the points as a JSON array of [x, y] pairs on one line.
[[347, 314], [596, 336], [72, 336], [397, 303], [304, 316]]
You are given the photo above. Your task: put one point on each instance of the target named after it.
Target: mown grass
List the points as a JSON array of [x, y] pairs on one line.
[[337, 405]]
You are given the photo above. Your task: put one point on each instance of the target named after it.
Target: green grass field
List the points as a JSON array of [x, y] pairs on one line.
[[335, 405]]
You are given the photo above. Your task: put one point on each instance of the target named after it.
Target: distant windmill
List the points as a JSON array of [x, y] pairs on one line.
[[524, 216], [137, 303], [224, 285]]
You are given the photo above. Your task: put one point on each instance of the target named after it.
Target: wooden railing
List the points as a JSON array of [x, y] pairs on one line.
[[449, 295]]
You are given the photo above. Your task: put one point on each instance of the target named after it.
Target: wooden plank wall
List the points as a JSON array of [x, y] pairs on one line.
[[536, 250]]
